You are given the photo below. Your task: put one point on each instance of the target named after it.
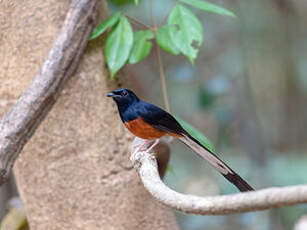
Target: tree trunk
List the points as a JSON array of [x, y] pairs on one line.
[[74, 173]]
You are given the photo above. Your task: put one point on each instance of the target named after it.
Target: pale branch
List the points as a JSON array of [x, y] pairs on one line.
[[21, 121], [269, 198]]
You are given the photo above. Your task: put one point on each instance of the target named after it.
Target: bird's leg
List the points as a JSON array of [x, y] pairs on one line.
[[153, 145], [141, 146]]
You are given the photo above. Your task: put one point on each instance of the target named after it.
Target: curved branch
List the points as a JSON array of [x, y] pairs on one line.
[[146, 166], [18, 125]]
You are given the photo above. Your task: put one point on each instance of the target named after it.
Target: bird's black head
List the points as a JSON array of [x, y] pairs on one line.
[[123, 97]]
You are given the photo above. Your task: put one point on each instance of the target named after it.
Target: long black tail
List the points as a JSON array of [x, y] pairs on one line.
[[224, 169]]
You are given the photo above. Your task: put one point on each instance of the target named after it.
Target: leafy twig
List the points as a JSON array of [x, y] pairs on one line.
[[160, 63], [138, 22]]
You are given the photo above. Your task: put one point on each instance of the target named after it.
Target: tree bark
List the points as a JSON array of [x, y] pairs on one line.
[[74, 173]]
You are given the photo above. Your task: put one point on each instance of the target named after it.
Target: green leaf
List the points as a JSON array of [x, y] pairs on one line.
[[189, 36], [209, 7], [197, 135], [141, 46], [104, 25], [165, 41], [118, 45], [136, 2]]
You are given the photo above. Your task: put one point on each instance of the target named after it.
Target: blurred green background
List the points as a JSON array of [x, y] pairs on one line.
[[246, 92]]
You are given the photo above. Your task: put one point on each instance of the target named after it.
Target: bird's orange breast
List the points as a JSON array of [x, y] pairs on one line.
[[145, 131]]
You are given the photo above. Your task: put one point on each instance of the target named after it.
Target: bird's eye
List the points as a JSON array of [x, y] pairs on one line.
[[124, 93]]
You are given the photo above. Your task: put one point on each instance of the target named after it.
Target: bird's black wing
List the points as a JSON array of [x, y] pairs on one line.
[[159, 118], [164, 121]]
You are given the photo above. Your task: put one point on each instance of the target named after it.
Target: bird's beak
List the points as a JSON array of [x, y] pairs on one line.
[[110, 94]]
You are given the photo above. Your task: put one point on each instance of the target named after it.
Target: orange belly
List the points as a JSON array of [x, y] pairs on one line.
[[145, 131]]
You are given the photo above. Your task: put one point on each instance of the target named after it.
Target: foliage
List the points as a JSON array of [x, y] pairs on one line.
[[190, 30], [141, 46], [209, 7], [183, 34], [118, 45], [165, 41], [102, 27]]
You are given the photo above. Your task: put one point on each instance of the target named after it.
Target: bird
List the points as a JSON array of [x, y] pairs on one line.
[[150, 122]]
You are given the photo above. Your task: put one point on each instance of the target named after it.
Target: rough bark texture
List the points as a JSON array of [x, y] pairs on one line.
[[74, 173], [20, 122]]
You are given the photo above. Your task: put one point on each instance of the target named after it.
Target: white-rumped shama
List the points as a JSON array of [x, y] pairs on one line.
[[150, 122]]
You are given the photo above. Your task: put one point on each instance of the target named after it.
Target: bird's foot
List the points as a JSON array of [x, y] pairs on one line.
[[140, 148], [153, 145]]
